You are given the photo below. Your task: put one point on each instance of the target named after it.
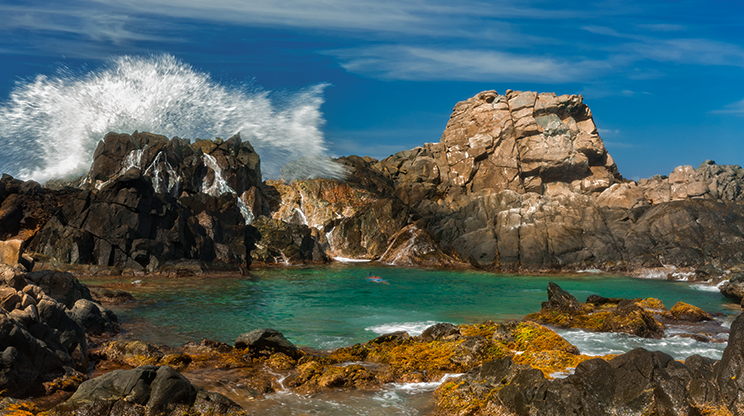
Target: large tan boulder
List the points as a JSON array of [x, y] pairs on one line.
[[11, 252]]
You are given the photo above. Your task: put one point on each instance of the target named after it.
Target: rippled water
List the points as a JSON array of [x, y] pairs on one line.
[[335, 306]]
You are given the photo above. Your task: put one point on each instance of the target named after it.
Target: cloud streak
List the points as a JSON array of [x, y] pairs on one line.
[[403, 39], [736, 108], [431, 64]]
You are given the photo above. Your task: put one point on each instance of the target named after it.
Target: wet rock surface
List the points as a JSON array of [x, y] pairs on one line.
[[645, 318], [635, 383]]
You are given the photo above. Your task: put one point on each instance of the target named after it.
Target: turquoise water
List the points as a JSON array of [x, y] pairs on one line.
[[333, 306]]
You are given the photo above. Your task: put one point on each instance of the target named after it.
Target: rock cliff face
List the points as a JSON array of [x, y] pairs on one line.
[[523, 181]]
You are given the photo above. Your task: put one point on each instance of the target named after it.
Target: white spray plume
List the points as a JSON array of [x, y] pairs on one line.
[[50, 126]]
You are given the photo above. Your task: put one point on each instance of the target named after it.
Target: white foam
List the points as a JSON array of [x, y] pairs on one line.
[[51, 125], [599, 343], [348, 260], [422, 386], [707, 288], [413, 328]]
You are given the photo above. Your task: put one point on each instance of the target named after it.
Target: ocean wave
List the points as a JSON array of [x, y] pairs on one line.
[[51, 125]]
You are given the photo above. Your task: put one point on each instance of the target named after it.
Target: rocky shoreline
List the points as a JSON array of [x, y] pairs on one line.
[[519, 182], [507, 368]]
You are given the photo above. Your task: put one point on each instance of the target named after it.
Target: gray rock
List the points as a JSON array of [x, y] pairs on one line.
[[151, 390], [94, 318], [561, 301], [440, 331]]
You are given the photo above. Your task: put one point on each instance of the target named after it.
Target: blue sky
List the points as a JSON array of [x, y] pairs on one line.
[[663, 78]]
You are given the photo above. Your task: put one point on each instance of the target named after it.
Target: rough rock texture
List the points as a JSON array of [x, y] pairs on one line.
[[176, 165], [127, 225], [266, 342], [734, 287], [285, 243], [26, 206], [44, 318], [639, 382], [147, 390], [640, 317]]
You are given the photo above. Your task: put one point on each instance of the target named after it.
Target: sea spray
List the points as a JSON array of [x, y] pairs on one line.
[[51, 125]]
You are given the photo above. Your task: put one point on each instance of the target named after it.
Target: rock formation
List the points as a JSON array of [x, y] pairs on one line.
[[523, 181], [148, 390], [520, 181], [44, 319], [635, 383]]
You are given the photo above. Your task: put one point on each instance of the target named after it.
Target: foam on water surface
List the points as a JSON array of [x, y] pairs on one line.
[[51, 125], [598, 344], [413, 328]]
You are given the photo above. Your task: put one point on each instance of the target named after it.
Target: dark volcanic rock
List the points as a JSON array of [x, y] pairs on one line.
[[632, 316], [734, 287], [560, 300], [147, 390], [41, 337], [127, 225], [266, 342], [440, 331]]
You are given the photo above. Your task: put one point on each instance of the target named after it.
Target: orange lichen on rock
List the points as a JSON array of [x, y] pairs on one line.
[[486, 329], [629, 316], [651, 304], [685, 312]]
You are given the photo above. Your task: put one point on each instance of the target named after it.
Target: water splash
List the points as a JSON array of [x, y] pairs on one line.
[[51, 125]]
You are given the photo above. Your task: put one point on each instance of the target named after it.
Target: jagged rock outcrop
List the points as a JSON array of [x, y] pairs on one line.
[[177, 165], [349, 220], [519, 141], [127, 225], [44, 318]]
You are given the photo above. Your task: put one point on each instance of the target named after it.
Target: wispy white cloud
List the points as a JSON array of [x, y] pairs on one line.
[[428, 63], [736, 108], [691, 51], [471, 40]]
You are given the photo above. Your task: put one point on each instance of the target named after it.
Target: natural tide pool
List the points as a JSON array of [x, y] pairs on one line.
[[333, 306]]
